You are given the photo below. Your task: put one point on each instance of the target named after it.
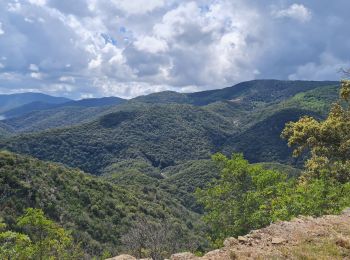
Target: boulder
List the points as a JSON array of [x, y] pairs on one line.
[[278, 241], [231, 241], [183, 256], [242, 239], [122, 257]]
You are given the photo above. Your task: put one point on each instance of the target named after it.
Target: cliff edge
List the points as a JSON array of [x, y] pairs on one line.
[[326, 237]]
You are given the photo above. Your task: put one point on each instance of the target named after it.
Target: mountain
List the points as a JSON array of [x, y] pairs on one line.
[[57, 117], [95, 102], [5, 130], [8, 102], [36, 107], [167, 134], [249, 92], [238, 104], [96, 210], [163, 135], [144, 157], [262, 141]]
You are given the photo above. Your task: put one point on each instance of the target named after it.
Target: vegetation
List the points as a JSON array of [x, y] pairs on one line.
[[241, 199], [41, 239], [247, 197], [163, 135], [244, 118], [328, 141], [4, 130], [152, 153], [97, 211], [156, 240]]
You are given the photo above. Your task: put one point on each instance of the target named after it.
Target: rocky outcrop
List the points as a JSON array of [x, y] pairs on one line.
[[327, 237]]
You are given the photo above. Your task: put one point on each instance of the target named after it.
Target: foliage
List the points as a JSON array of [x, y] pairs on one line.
[[262, 142], [327, 141], [163, 135], [241, 199], [182, 180], [41, 239], [247, 197], [96, 210], [287, 169], [156, 240]]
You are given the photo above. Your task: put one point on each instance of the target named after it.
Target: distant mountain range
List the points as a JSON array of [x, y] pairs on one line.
[[168, 128], [50, 103], [8, 102], [142, 157]]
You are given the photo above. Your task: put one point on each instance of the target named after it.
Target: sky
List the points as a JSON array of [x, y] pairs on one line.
[[127, 48]]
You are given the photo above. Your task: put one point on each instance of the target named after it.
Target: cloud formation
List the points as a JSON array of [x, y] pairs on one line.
[[86, 48], [295, 11]]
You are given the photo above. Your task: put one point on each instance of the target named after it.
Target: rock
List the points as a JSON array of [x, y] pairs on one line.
[[242, 239], [231, 241], [122, 257], [278, 241], [183, 256], [212, 254], [256, 236]]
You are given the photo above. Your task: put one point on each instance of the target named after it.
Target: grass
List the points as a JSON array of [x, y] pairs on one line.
[[322, 249]]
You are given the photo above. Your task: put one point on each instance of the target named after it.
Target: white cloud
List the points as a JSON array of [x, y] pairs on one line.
[[151, 44], [1, 30], [68, 79], [2, 66], [33, 67], [326, 68], [28, 20], [295, 11], [138, 6], [37, 2], [37, 75], [14, 7], [133, 47]]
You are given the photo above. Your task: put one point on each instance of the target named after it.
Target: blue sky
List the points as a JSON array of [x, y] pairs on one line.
[[126, 48]]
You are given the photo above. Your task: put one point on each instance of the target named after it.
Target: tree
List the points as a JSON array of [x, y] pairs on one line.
[[41, 239], [14, 245], [328, 141], [242, 198], [157, 240]]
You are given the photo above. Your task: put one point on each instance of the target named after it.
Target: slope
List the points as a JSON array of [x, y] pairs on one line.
[[5, 130], [262, 141], [97, 211], [163, 135]]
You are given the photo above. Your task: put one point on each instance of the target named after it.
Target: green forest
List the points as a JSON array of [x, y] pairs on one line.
[[170, 172]]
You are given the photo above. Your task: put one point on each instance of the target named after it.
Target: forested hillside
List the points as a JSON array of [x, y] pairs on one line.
[[167, 134], [146, 163], [98, 211]]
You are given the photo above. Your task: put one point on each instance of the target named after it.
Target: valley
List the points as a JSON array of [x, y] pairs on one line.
[[96, 166]]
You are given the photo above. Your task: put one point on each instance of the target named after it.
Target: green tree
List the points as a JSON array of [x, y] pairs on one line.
[[327, 141], [14, 245], [242, 199], [41, 239]]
